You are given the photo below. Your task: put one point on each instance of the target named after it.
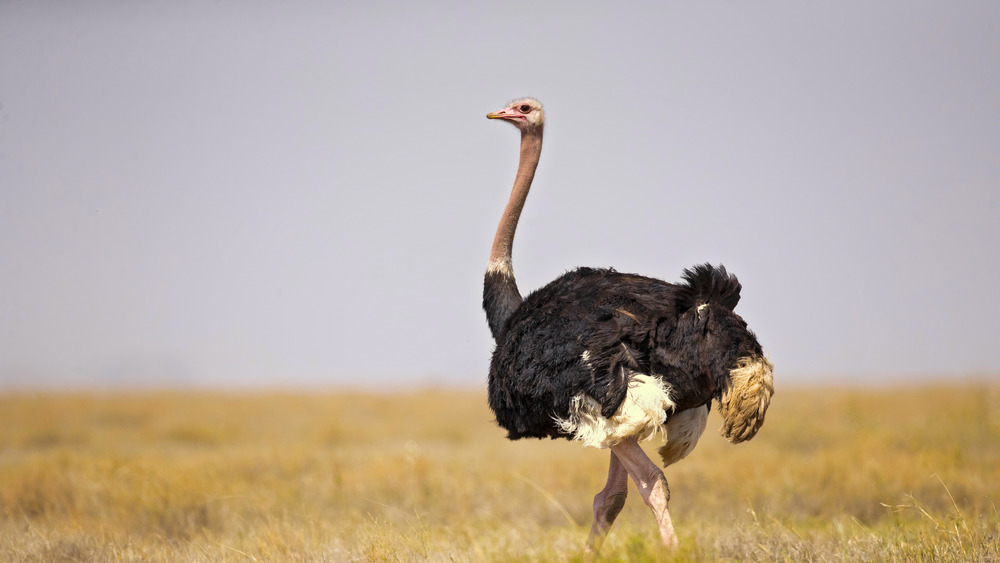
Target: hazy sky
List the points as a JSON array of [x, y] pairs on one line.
[[304, 193]]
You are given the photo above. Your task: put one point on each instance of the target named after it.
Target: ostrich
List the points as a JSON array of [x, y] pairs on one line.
[[610, 358]]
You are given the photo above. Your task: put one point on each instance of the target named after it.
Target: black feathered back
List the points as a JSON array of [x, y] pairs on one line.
[[590, 330]]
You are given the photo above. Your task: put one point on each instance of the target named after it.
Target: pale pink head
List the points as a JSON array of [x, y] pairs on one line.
[[525, 113]]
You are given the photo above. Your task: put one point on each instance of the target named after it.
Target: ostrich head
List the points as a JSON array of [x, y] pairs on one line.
[[525, 113]]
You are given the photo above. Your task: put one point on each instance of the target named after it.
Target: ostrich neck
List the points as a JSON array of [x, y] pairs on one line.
[[500, 294], [503, 242]]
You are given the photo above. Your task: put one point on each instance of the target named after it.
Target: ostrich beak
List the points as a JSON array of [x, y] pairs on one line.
[[494, 115]]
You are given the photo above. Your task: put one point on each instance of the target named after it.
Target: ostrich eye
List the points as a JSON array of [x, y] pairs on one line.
[[525, 108]]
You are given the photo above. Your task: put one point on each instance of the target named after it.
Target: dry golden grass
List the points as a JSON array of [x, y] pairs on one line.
[[886, 474]]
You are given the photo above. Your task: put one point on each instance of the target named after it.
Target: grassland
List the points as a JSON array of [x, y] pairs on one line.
[[835, 474]]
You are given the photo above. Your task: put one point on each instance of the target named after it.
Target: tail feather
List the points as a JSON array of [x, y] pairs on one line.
[[683, 430], [712, 284], [746, 398]]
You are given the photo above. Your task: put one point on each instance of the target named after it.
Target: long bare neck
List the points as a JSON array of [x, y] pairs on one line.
[[500, 294]]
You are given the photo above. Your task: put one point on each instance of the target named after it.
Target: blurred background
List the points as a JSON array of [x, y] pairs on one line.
[[249, 194]]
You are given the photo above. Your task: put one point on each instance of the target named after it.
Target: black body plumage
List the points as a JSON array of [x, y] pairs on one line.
[[500, 299], [590, 330]]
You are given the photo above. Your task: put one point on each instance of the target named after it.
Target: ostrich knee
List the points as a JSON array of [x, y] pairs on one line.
[[608, 503], [606, 509]]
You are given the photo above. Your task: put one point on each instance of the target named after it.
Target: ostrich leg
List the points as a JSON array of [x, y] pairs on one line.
[[651, 483], [608, 503]]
